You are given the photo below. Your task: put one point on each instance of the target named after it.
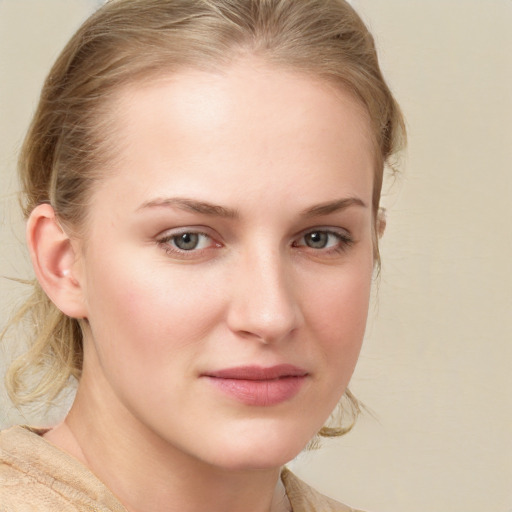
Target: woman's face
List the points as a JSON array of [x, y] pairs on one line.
[[227, 267]]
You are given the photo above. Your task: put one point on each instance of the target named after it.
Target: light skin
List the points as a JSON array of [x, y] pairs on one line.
[[234, 229]]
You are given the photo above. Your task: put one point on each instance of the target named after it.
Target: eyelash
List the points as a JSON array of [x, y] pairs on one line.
[[166, 241], [344, 242]]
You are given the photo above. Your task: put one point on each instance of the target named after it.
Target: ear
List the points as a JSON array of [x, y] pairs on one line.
[[55, 262], [381, 222]]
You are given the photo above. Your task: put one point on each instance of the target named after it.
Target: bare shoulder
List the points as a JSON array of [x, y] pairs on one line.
[[304, 498]]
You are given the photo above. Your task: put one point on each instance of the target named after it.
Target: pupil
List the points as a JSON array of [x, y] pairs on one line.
[[187, 241], [317, 240]]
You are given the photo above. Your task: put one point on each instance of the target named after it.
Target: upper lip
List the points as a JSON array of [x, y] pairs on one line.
[[258, 372]]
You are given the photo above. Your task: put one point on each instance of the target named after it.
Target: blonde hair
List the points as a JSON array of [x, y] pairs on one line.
[[68, 148]]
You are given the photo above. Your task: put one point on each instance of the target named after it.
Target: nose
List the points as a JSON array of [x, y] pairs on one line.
[[264, 303]]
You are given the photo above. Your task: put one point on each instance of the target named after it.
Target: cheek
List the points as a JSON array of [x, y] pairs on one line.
[[147, 325], [338, 313], [147, 311]]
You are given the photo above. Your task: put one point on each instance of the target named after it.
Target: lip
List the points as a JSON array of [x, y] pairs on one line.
[[259, 386]]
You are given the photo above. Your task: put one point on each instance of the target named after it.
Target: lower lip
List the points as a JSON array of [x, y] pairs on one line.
[[260, 392]]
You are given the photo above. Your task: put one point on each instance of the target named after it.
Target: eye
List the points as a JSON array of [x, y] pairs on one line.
[[190, 241], [318, 239], [325, 239], [186, 243]]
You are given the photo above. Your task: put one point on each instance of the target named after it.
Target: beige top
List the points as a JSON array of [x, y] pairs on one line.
[[37, 476]]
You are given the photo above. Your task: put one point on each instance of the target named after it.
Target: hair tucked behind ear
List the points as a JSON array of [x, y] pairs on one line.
[[69, 147]]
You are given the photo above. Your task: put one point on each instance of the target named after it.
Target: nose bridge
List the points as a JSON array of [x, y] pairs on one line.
[[264, 304]]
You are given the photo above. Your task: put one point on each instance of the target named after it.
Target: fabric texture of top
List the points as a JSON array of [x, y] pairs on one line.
[[37, 476]]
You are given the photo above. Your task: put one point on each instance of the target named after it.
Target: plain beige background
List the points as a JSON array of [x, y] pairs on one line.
[[436, 365]]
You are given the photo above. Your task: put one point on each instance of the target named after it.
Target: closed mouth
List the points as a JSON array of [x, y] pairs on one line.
[[259, 386]]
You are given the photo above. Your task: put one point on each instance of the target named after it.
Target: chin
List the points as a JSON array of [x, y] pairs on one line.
[[253, 461], [265, 449]]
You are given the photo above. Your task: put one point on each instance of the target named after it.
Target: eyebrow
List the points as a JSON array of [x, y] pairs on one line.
[[206, 208], [333, 206], [191, 205]]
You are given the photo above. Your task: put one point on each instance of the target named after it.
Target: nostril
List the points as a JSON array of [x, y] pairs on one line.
[[263, 325], [263, 305]]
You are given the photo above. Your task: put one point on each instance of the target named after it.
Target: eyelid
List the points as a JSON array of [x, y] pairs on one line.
[[343, 235], [164, 239], [196, 229]]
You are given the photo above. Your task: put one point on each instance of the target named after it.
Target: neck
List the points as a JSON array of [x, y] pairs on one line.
[[147, 473]]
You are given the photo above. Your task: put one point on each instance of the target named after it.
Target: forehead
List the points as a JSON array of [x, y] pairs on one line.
[[249, 123]]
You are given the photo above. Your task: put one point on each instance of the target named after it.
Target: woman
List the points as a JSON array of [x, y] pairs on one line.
[[202, 184]]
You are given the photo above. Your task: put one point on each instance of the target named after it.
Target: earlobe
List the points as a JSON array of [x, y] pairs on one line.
[[55, 262]]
